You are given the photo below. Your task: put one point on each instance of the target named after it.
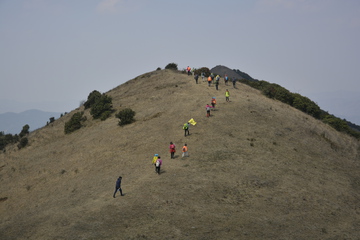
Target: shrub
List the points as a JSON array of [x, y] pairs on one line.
[[92, 99], [204, 70], [172, 66], [126, 116], [102, 108], [23, 142], [74, 123], [306, 105], [24, 131]]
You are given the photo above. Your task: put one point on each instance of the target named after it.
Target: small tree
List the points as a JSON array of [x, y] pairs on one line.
[[23, 142], [126, 116], [24, 131], [204, 70], [93, 97], [74, 123], [172, 66], [102, 108]]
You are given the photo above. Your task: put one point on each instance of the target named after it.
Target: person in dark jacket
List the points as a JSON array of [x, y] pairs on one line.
[[118, 186]]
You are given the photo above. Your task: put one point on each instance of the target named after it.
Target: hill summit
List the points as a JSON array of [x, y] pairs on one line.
[[257, 169]]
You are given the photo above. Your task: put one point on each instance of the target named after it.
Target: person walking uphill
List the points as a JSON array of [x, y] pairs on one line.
[[172, 150], [154, 160], [208, 108], [118, 186], [158, 165], [209, 81], [217, 80], [186, 128], [227, 95], [185, 151], [213, 102]]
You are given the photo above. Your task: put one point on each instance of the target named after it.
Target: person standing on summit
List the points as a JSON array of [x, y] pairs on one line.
[[188, 69], [118, 187]]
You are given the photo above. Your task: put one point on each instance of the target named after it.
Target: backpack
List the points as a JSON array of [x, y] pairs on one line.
[[157, 163], [185, 126]]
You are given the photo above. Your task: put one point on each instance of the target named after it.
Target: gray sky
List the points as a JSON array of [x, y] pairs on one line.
[[54, 53]]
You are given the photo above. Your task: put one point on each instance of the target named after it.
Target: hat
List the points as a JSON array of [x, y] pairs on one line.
[[156, 155]]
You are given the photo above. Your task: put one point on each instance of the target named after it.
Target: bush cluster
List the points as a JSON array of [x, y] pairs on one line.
[[102, 108], [126, 116], [172, 66], [204, 70], [100, 104], [302, 103], [74, 123], [6, 139]]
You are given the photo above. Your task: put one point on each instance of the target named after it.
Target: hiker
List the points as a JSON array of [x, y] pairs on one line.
[[234, 82], [185, 151], [227, 95], [209, 81], [154, 160], [203, 76], [208, 107], [226, 79], [118, 186], [188, 69], [172, 150], [186, 128], [196, 77], [217, 80], [213, 102], [158, 165]]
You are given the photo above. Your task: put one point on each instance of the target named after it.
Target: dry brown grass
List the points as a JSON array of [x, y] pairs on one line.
[[258, 169]]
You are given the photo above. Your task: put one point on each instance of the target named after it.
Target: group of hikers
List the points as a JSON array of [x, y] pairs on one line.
[[157, 161]]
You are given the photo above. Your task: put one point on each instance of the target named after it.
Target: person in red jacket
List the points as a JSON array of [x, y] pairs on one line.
[[172, 150]]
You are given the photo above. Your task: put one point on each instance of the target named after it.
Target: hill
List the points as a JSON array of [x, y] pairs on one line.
[[13, 122], [258, 169]]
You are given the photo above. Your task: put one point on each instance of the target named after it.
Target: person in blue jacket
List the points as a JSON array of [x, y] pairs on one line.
[[118, 186]]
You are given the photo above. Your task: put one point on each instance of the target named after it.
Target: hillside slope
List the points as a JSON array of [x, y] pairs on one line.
[[258, 169]]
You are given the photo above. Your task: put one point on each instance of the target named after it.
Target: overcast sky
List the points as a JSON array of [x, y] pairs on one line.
[[54, 53]]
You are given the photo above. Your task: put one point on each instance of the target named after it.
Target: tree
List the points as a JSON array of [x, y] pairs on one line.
[[24, 131], [93, 97], [74, 123], [172, 66], [126, 116], [102, 108]]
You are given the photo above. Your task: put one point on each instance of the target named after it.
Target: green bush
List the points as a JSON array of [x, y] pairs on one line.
[[306, 105], [172, 66], [126, 116], [23, 142], [102, 108], [74, 123], [277, 92], [24, 131], [93, 97], [204, 70]]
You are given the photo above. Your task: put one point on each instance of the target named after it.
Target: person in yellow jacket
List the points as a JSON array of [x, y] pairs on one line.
[[227, 95], [185, 151], [155, 158]]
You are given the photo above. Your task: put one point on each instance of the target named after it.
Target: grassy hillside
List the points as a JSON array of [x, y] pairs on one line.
[[258, 169]]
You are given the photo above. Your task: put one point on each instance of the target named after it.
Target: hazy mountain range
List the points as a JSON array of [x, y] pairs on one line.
[[13, 122]]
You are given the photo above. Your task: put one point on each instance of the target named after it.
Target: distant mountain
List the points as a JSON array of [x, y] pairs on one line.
[[222, 70], [13, 122]]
